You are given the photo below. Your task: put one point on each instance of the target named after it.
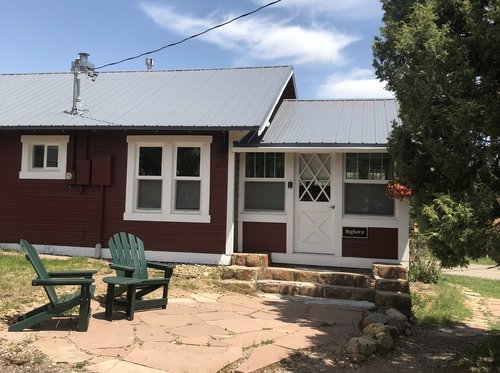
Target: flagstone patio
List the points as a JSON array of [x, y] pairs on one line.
[[203, 333]]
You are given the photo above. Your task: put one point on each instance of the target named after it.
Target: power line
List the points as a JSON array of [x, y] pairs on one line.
[[189, 37]]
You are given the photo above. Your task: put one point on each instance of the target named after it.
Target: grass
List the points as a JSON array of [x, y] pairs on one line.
[[443, 308], [484, 261], [446, 306], [16, 275], [484, 287]]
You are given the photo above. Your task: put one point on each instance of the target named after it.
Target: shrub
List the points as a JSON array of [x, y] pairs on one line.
[[424, 267]]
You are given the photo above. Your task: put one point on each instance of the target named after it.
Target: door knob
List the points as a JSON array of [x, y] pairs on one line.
[[332, 207]]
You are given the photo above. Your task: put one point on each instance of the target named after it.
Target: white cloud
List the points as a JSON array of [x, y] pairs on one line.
[[352, 9], [357, 83], [261, 38]]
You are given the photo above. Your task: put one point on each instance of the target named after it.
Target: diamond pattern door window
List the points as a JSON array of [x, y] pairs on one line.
[[314, 178]]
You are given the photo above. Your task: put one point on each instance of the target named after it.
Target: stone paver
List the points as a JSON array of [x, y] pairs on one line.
[[263, 356], [185, 358], [203, 333], [61, 351]]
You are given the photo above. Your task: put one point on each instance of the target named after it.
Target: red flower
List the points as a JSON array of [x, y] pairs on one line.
[[397, 190]]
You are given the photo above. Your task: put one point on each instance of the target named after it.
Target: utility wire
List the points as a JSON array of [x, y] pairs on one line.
[[189, 37]]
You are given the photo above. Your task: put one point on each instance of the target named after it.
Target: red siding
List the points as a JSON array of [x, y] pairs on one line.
[[264, 237], [54, 212], [382, 243]]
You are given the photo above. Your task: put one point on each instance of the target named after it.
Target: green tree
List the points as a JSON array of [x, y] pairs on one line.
[[441, 58]]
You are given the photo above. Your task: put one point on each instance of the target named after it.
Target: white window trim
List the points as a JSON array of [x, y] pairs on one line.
[[167, 213], [52, 173]]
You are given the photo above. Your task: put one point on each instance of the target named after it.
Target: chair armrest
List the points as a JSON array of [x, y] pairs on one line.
[[122, 267], [161, 266], [62, 281], [79, 273]]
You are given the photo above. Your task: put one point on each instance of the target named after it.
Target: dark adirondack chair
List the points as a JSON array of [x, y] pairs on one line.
[[129, 261], [57, 304]]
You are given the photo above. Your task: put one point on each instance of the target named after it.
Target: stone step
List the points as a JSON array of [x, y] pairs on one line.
[[298, 275], [398, 286], [250, 260], [246, 287], [389, 271], [389, 299], [315, 290], [240, 273]]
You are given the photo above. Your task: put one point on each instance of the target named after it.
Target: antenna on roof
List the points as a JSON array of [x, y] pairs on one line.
[[80, 65]]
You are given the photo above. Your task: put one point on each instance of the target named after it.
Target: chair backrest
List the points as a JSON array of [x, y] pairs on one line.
[[127, 249], [36, 262]]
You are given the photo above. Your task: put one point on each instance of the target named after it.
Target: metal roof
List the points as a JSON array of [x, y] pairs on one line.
[[206, 98], [338, 123]]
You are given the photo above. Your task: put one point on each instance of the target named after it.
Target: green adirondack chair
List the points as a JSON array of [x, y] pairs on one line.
[[57, 304], [129, 261]]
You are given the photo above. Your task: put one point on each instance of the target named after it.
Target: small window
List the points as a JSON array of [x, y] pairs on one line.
[[43, 157], [365, 179], [264, 182]]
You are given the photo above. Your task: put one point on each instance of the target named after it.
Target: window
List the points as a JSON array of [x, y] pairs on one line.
[[168, 178], [366, 176], [43, 157], [264, 182]]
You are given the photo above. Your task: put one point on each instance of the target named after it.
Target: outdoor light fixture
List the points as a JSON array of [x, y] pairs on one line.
[[80, 65]]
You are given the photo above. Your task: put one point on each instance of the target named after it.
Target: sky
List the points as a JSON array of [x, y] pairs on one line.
[[328, 42]]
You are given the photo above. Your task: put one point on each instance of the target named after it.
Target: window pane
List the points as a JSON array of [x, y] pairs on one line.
[[259, 165], [270, 158], [388, 167], [351, 166], [38, 155], [188, 161], [250, 165], [265, 196], [280, 165], [187, 195], [376, 169], [363, 165], [367, 199], [150, 161], [52, 155], [149, 195]]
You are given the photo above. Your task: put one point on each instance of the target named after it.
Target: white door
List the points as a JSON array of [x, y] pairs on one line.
[[314, 214]]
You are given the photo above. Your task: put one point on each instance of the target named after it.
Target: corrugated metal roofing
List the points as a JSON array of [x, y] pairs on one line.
[[231, 98], [361, 122]]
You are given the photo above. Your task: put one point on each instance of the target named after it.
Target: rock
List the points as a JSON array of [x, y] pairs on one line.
[[393, 331], [402, 326], [395, 314], [374, 329], [408, 332], [357, 358], [363, 345], [385, 342], [373, 317]]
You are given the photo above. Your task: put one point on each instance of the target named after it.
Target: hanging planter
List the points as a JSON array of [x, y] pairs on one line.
[[397, 190]]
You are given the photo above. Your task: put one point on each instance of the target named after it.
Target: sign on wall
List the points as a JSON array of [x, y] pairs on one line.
[[355, 232]]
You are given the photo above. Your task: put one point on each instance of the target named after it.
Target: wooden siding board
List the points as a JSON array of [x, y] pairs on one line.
[[264, 237], [382, 243], [53, 212]]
